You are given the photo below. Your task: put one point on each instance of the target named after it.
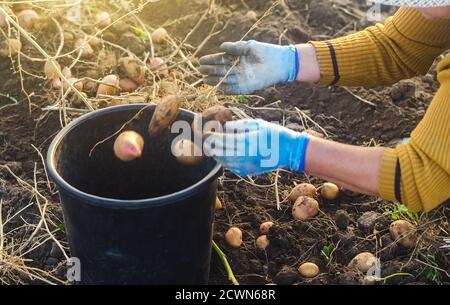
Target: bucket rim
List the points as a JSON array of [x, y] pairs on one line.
[[111, 202]]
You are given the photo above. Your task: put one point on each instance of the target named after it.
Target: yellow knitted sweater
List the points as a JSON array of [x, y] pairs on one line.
[[417, 173]]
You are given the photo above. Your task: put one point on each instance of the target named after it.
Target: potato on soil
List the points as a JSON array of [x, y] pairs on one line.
[[95, 42], [251, 15], [363, 262], [158, 67], [233, 237], [85, 48], [78, 84], [109, 85], [10, 47], [404, 233], [127, 85], [187, 152], [56, 83], [308, 270], [305, 208], [90, 87], [27, 18], [128, 145], [264, 228], [302, 189], [262, 242], [66, 72], [329, 191], [102, 19], [165, 113], [133, 69], [159, 35], [51, 70]]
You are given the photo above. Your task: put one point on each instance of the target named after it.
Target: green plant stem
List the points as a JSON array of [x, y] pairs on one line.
[[225, 263]]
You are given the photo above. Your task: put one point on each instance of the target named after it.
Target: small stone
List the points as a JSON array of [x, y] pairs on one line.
[[132, 43], [342, 219], [56, 252], [372, 220]]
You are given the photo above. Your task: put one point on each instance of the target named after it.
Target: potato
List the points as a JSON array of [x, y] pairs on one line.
[[128, 145], [68, 37], [218, 205], [133, 69], [95, 42], [56, 83], [265, 227], [66, 72], [109, 85], [302, 189], [251, 15], [363, 262], [165, 113], [102, 19], [127, 85], [219, 114], [158, 66], [329, 191], [51, 70], [85, 48], [159, 35], [3, 22], [90, 87], [305, 208], [10, 47], [308, 270], [187, 152], [404, 233], [233, 237], [27, 18], [262, 242], [78, 84]]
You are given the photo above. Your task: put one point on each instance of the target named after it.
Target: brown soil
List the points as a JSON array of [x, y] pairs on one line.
[[247, 204]]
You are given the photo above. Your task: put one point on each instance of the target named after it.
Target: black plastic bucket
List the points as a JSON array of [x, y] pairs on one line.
[[147, 221]]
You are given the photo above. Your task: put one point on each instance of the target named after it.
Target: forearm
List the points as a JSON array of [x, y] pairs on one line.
[[353, 167], [405, 46]]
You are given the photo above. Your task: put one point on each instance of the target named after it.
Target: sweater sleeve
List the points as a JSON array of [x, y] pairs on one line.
[[418, 173], [404, 46]]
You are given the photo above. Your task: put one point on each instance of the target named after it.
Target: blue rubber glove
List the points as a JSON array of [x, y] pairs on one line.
[[252, 147], [260, 65]]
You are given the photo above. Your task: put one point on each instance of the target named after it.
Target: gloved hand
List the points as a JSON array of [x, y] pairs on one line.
[[252, 147], [260, 65]]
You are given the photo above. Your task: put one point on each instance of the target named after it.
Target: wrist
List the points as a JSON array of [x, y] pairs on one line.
[[309, 69]]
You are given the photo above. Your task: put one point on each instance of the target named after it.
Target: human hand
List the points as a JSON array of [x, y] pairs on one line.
[[252, 147], [260, 65]]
